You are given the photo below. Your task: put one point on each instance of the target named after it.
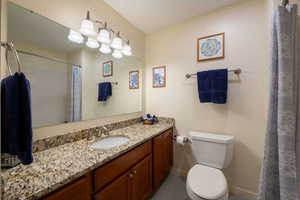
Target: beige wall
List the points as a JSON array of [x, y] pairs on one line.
[[244, 116], [123, 99], [70, 13]]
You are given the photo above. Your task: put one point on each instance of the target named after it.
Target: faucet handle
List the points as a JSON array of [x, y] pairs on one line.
[[105, 130]]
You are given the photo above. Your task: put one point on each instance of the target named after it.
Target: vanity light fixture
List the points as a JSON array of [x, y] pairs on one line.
[[87, 26], [127, 49], [105, 48], [104, 35], [117, 42], [75, 37], [117, 54], [92, 43], [103, 39]]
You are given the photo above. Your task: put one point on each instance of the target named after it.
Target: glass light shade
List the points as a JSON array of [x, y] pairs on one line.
[[87, 28], [117, 54], [105, 49], [117, 43], [92, 43], [75, 37], [104, 36], [127, 50]]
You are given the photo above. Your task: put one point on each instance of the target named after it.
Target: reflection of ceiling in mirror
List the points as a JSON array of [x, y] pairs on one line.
[[26, 26]]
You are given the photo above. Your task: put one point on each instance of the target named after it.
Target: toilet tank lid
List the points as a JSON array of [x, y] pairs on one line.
[[210, 137]]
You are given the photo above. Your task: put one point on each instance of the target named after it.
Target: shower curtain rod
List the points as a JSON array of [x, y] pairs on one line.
[[48, 58]]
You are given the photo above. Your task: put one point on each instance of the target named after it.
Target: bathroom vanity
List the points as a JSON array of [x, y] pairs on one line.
[[76, 171]]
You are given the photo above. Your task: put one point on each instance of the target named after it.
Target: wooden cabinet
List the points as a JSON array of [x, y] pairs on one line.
[[142, 179], [130, 176], [119, 189], [135, 184], [162, 157], [108, 172], [80, 189]]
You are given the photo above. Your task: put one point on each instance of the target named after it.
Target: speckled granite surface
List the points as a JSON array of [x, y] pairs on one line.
[[47, 143], [60, 165]]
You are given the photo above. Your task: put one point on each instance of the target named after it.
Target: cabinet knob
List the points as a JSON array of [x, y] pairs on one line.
[[130, 175], [135, 171]]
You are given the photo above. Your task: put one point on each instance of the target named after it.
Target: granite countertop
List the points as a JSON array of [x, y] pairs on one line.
[[60, 165]]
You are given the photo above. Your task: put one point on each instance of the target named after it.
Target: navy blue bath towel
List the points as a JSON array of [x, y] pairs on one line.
[[104, 91], [16, 126], [212, 86]]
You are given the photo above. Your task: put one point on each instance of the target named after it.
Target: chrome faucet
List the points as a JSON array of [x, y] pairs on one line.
[[104, 131]]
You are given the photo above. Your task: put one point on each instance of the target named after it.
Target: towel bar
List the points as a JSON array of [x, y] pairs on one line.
[[235, 71]]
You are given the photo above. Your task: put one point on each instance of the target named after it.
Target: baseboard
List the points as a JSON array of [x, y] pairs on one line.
[[237, 191]]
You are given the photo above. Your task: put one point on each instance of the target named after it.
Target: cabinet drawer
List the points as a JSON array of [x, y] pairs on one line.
[[115, 168], [78, 190]]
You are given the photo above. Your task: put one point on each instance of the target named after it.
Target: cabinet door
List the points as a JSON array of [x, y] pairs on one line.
[[158, 160], [142, 179], [119, 189], [78, 190], [169, 149], [162, 156]]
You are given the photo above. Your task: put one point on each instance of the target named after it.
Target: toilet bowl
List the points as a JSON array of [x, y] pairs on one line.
[[206, 183], [213, 152]]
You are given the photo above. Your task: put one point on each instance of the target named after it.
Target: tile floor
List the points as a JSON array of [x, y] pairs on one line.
[[174, 189]]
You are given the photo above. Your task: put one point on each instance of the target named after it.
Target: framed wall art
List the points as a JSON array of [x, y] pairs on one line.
[[134, 79], [211, 47], [159, 77], [107, 68]]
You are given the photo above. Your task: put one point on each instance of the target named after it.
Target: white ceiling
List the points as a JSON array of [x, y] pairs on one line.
[[152, 15]]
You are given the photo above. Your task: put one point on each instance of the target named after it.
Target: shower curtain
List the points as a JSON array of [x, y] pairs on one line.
[[280, 168], [75, 111]]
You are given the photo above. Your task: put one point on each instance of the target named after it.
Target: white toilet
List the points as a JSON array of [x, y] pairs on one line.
[[205, 180]]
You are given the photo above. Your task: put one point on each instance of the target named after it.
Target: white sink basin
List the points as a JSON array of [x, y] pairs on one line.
[[110, 142]]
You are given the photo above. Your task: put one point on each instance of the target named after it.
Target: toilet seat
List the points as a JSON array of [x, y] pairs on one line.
[[206, 183]]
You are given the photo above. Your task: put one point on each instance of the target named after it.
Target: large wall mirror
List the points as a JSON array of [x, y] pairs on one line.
[[65, 76]]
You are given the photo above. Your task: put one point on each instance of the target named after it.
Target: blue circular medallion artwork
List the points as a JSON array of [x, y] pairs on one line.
[[210, 47]]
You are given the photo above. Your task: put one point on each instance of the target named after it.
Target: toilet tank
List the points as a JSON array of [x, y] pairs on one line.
[[212, 149]]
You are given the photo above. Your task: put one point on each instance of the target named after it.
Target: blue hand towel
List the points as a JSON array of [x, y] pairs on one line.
[[16, 125], [104, 91], [212, 86]]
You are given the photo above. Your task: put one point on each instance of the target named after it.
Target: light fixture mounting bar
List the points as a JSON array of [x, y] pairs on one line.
[[104, 24]]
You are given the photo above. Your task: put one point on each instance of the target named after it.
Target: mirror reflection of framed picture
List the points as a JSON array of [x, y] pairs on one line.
[[159, 77], [108, 68], [134, 79]]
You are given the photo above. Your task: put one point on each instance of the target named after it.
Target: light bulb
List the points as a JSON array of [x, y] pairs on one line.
[[127, 50], [117, 43], [117, 54], [104, 36], [75, 37], [105, 49], [92, 43], [87, 28]]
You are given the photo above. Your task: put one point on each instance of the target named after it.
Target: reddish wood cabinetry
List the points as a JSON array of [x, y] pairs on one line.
[[78, 190], [119, 189], [162, 157], [131, 176]]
